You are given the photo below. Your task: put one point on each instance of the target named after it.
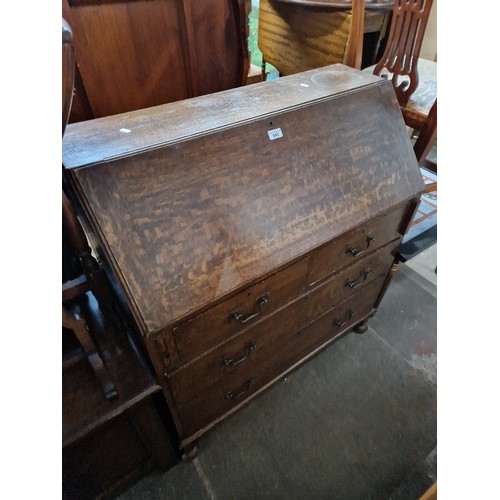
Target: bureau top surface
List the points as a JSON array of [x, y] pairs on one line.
[[204, 196], [103, 139]]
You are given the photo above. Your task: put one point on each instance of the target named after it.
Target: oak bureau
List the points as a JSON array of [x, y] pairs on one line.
[[247, 229]]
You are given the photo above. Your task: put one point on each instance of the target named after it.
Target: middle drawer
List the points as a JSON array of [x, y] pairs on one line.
[[220, 323]]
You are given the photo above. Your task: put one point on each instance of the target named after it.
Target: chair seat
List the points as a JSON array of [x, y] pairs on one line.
[[424, 96]]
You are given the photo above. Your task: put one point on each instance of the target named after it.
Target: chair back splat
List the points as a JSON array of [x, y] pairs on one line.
[[399, 61]]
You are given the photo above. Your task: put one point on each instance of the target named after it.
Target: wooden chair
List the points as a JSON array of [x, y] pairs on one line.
[[81, 271], [414, 79], [415, 84], [298, 35]]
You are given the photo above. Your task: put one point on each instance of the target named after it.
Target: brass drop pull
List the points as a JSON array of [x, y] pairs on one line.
[[231, 362], [355, 252], [357, 284], [231, 395], [263, 298], [341, 323]]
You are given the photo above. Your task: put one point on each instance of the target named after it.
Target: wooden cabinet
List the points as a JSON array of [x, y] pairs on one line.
[[109, 443], [134, 54], [249, 228]]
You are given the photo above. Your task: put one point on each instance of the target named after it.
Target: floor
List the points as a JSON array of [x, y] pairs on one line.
[[358, 421]]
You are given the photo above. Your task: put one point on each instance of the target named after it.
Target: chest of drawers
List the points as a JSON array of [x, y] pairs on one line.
[[247, 229]]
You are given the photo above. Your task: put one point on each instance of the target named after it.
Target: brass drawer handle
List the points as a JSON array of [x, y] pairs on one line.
[[354, 284], [231, 395], [355, 252], [263, 298], [231, 362], [341, 323]]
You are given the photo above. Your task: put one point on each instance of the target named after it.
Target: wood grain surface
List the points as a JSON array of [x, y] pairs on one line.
[[189, 222], [133, 54], [129, 53], [300, 312], [111, 137], [296, 37], [340, 4], [274, 361]]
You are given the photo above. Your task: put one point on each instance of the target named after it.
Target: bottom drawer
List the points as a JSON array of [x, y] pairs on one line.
[[273, 362]]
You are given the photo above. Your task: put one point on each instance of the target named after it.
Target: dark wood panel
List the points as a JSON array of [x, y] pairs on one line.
[[247, 205], [109, 443], [80, 110], [134, 54], [218, 52], [115, 455], [84, 407], [338, 4], [80, 3], [98, 464], [130, 54]]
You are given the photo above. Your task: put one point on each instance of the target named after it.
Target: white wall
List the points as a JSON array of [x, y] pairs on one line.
[[429, 43]]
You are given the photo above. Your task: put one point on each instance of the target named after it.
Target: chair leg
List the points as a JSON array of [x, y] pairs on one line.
[[427, 136], [77, 323], [78, 239], [263, 69]]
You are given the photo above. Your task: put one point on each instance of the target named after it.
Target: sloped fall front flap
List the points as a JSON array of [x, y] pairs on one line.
[[195, 199]]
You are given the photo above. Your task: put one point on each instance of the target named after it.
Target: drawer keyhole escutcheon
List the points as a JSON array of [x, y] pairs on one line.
[[231, 362], [232, 395], [357, 284], [263, 298], [355, 252], [341, 323]]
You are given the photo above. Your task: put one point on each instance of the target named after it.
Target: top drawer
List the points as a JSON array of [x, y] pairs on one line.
[[351, 246], [210, 328]]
